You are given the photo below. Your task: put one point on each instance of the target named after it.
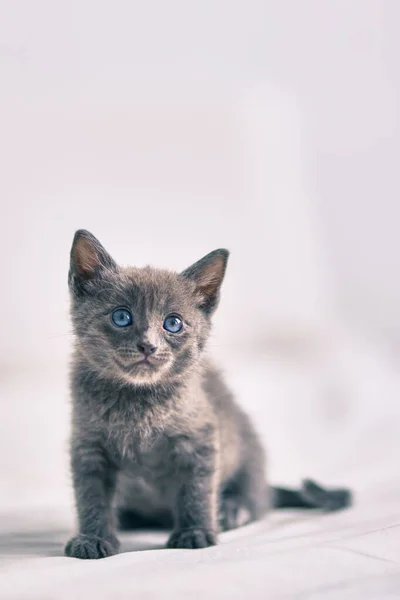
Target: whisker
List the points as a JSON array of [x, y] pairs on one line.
[[65, 334]]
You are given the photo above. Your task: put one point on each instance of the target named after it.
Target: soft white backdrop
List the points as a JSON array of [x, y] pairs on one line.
[[269, 127]]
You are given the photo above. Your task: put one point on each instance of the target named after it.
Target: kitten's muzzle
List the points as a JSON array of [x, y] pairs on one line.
[[143, 354]]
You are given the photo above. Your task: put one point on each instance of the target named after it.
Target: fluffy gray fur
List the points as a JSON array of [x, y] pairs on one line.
[[159, 442]]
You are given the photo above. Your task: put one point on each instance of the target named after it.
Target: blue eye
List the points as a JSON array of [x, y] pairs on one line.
[[173, 324], [121, 317]]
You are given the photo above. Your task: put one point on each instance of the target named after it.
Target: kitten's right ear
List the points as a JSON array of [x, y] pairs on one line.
[[88, 261]]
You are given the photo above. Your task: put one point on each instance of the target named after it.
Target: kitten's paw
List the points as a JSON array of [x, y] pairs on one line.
[[192, 538], [91, 546]]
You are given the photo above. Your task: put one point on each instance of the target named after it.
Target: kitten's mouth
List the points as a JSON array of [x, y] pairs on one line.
[[146, 361]]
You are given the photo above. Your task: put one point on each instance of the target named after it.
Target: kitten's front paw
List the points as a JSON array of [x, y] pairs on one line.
[[192, 538], [91, 546]]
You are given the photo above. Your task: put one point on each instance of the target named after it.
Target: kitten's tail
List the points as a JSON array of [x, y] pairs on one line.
[[312, 495]]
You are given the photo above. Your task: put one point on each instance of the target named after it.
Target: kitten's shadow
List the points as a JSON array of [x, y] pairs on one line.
[[51, 543], [139, 540]]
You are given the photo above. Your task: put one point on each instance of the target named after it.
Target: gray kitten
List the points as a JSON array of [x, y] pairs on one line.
[[157, 438]]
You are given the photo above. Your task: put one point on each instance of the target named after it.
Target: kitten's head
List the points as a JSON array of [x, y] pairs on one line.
[[141, 326]]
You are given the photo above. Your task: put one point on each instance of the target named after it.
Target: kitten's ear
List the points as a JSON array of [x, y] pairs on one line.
[[88, 261], [208, 274]]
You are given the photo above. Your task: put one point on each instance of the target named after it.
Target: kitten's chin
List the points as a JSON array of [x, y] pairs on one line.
[[145, 379]]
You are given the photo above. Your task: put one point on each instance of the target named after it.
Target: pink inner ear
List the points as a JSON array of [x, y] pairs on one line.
[[209, 280], [86, 258]]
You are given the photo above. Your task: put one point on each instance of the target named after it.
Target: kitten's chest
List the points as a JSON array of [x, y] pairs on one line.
[[131, 431], [137, 444], [148, 440]]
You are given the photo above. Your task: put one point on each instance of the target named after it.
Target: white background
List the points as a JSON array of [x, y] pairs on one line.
[[170, 129]]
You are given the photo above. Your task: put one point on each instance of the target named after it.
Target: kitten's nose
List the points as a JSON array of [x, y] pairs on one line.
[[146, 348]]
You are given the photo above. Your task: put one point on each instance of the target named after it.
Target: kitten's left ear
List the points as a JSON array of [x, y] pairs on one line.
[[208, 275]]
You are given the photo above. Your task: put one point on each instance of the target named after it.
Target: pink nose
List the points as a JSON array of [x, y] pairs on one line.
[[146, 348]]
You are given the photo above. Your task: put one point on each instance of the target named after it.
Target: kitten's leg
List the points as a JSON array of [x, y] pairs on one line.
[[196, 503], [254, 489], [230, 503], [94, 484], [248, 491], [229, 512]]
